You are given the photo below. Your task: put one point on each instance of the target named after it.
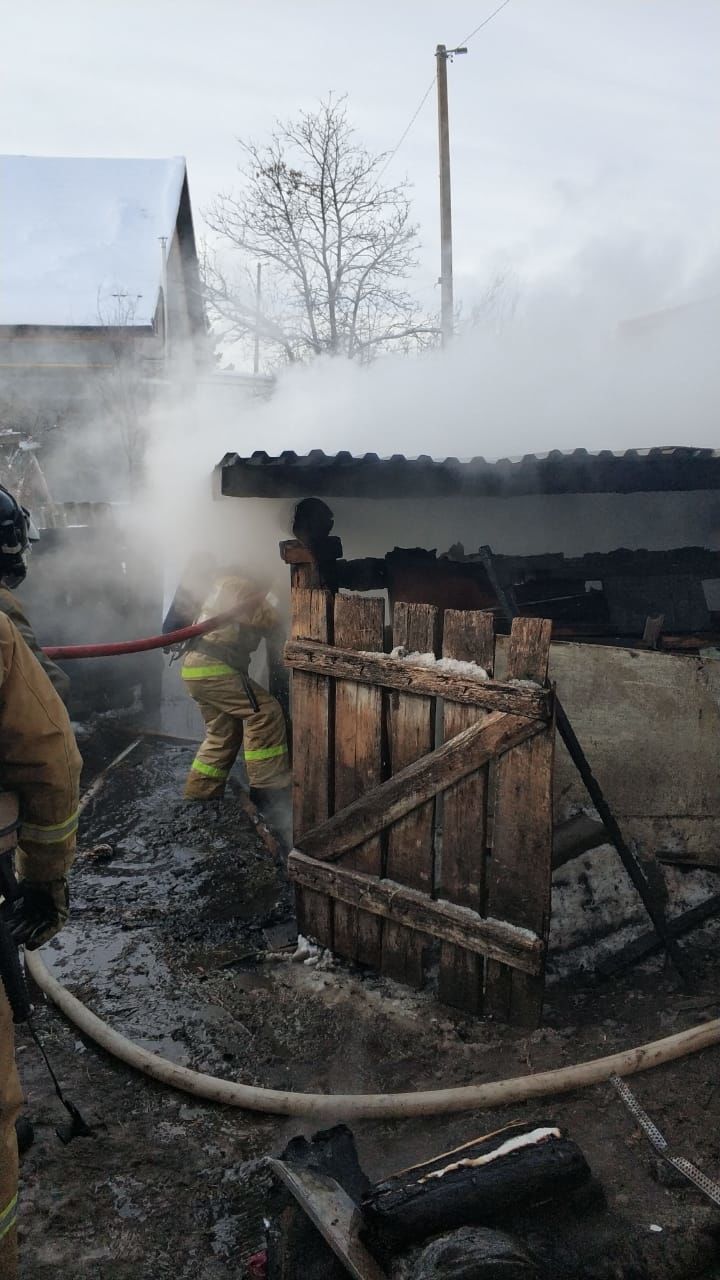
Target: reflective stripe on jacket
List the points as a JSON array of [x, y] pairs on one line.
[[8, 1216]]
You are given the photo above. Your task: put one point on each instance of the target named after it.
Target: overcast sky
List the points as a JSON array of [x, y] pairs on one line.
[[573, 122]]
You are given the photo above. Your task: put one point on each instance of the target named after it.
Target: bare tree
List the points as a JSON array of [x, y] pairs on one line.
[[337, 245]]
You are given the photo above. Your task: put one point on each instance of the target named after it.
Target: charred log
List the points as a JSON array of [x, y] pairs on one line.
[[479, 1184], [331, 1152]]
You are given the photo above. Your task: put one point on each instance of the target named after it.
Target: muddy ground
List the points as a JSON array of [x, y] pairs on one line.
[[171, 906]]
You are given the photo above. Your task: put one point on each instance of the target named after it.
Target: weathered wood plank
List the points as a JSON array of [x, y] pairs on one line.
[[417, 784], [312, 751], [294, 552], [410, 677], [410, 850], [304, 577], [334, 1214], [359, 624], [412, 908], [520, 867], [468, 636]]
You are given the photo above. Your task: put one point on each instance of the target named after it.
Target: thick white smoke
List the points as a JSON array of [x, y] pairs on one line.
[[566, 370]]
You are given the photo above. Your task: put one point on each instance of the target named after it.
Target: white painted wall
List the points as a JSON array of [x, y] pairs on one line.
[[568, 523]]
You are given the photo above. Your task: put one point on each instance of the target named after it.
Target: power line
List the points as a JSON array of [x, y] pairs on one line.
[[413, 118], [428, 91], [485, 22]]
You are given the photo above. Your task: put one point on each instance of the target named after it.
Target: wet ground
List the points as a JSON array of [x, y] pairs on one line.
[[174, 909]]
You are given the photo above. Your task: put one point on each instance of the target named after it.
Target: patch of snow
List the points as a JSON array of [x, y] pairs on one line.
[[77, 231], [453, 666], [312, 955], [518, 929], [304, 950], [596, 910], [458, 668]]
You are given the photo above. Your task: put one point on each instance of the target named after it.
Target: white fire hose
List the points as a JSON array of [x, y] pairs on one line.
[[371, 1106]]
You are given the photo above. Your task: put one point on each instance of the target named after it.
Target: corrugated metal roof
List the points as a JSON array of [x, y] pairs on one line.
[[677, 467]]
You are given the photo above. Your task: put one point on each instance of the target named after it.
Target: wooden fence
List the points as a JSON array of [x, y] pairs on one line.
[[423, 796]]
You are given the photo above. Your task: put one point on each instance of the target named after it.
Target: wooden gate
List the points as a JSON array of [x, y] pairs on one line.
[[423, 796]]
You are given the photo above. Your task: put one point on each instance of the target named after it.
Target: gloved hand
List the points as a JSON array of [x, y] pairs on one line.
[[38, 913]]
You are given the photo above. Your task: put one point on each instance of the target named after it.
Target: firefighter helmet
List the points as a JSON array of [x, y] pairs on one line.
[[17, 531]]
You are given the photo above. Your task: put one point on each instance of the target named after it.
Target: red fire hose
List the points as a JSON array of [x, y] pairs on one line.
[[67, 651]]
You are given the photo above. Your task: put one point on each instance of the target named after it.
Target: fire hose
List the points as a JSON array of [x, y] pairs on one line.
[[66, 652], [371, 1106]]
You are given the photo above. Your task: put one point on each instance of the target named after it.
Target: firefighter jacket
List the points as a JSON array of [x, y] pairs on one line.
[[10, 607], [234, 642], [39, 761]]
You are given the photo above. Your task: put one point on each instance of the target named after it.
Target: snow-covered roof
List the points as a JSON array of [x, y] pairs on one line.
[[80, 238]]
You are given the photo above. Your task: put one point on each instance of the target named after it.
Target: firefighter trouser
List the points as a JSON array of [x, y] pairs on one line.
[[229, 721], [10, 1101]]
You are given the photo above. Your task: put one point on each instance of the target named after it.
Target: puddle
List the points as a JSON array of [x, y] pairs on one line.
[[250, 980]]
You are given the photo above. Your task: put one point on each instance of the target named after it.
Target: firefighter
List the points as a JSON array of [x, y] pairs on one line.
[[40, 763], [237, 711], [17, 533]]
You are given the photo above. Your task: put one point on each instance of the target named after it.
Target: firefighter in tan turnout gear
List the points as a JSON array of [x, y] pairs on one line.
[[40, 765], [237, 711]]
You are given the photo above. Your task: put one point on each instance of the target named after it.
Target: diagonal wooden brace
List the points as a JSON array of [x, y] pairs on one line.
[[418, 783]]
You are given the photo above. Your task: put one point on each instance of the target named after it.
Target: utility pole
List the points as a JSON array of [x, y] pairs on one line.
[[442, 54], [258, 298]]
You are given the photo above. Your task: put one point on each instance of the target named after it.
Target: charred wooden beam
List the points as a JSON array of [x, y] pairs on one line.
[[413, 677], [518, 948], [369, 574], [416, 784], [595, 566], [648, 944], [478, 1184], [579, 834]]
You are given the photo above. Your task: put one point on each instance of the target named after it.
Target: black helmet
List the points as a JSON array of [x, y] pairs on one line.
[[17, 531]]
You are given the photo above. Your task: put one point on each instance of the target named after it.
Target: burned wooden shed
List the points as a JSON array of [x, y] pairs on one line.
[[599, 542], [614, 558], [620, 551]]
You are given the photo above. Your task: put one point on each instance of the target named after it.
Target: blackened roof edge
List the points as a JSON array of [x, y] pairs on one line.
[[290, 475]]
